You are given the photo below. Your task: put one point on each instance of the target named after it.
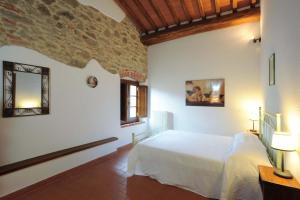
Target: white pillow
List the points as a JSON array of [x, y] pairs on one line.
[[241, 139], [245, 137]]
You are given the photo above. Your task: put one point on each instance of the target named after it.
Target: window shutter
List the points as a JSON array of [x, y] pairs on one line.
[[124, 103], [143, 101]]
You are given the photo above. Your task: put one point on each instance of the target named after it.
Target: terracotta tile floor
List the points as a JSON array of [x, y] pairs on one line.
[[105, 179]]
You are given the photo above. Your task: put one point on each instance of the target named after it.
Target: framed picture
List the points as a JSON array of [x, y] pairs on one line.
[[272, 69], [209, 92], [92, 81]]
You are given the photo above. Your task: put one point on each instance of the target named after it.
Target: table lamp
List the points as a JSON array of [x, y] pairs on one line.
[[253, 125], [254, 117], [283, 142]]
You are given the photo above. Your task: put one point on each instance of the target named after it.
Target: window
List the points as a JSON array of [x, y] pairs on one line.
[[133, 101]]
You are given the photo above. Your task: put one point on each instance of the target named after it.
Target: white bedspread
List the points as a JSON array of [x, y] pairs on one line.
[[188, 160], [240, 180], [213, 166]]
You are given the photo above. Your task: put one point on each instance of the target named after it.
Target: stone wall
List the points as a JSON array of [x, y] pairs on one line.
[[72, 33]]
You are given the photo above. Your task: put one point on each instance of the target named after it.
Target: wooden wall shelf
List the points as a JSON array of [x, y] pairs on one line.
[[5, 169]]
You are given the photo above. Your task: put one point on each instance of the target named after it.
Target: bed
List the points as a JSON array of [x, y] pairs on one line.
[[218, 167]]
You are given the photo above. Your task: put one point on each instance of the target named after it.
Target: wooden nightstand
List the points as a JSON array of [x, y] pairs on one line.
[[276, 188]]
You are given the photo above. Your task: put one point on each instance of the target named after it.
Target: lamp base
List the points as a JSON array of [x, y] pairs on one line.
[[283, 174], [252, 130]]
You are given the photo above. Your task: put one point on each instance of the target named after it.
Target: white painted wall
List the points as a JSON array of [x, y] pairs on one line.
[[280, 35], [226, 53], [78, 115]]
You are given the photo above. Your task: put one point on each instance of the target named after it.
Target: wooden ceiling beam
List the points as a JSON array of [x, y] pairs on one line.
[[159, 13], [174, 16], [237, 18], [185, 11], [234, 4], [201, 8], [217, 7], [253, 3], [130, 14], [145, 14]]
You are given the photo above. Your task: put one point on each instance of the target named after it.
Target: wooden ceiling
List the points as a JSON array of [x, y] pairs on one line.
[[163, 20]]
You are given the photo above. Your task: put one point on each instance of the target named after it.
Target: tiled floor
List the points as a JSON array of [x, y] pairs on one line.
[[105, 179]]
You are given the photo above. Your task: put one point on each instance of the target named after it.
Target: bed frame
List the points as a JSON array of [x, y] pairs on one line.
[[268, 124]]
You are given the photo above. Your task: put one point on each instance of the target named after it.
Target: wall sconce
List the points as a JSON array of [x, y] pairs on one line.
[[255, 40]]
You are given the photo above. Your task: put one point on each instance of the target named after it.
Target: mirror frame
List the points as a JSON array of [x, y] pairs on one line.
[[9, 89]]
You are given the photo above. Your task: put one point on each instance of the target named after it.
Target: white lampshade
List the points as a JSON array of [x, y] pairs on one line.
[[254, 115], [283, 141]]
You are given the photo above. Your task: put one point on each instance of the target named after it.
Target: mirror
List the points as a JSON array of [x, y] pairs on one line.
[[26, 90]]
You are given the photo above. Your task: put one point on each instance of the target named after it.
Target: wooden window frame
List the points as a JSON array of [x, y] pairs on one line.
[[141, 102], [125, 118]]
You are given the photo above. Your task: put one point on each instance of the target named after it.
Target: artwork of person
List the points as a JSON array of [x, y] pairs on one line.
[[207, 92], [189, 88], [197, 95], [92, 81]]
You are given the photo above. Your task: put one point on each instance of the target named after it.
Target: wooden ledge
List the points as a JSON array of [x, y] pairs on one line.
[[50, 156], [132, 124]]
